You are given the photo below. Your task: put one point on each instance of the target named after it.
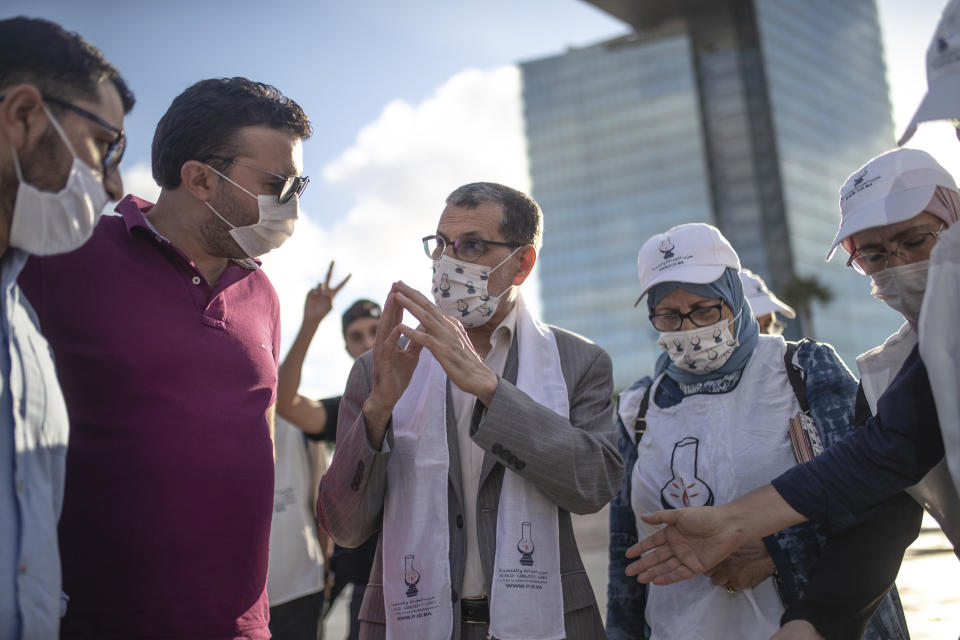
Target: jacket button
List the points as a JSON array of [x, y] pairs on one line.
[[459, 525]]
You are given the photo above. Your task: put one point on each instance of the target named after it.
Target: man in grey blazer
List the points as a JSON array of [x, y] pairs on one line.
[[493, 232]]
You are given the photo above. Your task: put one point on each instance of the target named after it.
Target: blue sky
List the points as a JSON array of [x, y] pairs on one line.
[[342, 61], [408, 100]]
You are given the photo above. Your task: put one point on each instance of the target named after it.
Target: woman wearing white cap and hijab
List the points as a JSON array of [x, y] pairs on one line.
[[713, 424], [892, 212], [765, 304]]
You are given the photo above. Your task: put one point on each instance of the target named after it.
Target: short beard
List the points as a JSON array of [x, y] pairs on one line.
[[215, 233]]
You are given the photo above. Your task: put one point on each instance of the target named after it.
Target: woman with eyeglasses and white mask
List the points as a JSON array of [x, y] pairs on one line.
[[727, 411], [893, 210]]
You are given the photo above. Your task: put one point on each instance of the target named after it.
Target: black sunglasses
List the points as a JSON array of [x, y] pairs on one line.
[[292, 185]]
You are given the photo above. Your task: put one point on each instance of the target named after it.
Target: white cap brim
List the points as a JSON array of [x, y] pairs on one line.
[[942, 102], [688, 273], [769, 303], [894, 208]]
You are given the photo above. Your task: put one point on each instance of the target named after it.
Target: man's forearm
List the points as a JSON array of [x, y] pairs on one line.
[[291, 369]]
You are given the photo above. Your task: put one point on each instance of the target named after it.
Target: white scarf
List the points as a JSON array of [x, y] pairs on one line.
[[940, 341], [526, 601]]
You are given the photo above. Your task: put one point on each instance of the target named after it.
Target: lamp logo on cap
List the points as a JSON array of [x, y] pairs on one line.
[[858, 184], [666, 248]]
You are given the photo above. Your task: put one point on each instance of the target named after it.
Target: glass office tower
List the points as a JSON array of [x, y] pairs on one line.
[[747, 114]]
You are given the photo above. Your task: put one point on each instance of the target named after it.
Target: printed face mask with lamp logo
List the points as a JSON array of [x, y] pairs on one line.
[[460, 290], [48, 222], [271, 230], [700, 350]]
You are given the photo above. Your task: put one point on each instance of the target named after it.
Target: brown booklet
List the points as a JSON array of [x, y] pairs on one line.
[[804, 438]]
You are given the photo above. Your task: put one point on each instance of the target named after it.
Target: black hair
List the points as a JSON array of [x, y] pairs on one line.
[[202, 122], [60, 63], [522, 219]]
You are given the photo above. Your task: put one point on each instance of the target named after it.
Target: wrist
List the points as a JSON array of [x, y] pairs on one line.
[[487, 387], [376, 414]]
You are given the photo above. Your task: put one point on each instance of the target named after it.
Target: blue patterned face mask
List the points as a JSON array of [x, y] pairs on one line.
[[460, 290], [700, 350]]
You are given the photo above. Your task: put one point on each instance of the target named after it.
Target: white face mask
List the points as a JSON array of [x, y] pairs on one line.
[[460, 290], [271, 230], [700, 350], [49, 222], [902, 288]]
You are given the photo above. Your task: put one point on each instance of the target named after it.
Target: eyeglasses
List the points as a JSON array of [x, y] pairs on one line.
[[114, 154], [700, 317], [468, 249], [914, 247], [292, 185]]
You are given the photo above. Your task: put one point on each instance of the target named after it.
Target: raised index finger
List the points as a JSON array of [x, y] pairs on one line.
[[329, 274]]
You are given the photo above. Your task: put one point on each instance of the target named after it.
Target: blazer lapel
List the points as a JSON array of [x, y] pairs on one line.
[[453, 447], [510, 375]]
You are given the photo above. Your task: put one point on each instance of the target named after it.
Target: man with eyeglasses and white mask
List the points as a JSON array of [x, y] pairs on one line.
[[62, 106], [893, 210], [470, 443], [166, 335]]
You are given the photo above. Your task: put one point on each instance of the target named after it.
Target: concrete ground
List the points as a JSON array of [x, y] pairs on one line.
[[929, 581]]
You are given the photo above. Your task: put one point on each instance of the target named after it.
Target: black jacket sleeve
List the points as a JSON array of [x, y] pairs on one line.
[[856, 569]]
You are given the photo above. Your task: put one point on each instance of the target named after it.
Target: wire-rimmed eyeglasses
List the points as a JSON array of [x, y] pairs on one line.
[[915, 246]]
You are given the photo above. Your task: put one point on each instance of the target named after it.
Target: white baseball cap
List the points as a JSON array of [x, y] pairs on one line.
[[942, 101], [761, 299], [893, 187], [693, 252]]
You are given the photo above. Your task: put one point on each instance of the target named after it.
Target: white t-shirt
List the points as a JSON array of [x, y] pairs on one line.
[[296, 561]]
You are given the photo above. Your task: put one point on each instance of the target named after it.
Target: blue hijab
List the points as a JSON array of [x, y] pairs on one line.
[[728, 288]]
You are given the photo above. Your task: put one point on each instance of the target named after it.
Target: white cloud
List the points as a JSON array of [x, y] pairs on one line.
[[138, 180], [399, 170]]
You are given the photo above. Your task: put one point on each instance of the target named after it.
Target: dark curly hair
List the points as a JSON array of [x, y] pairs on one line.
[[59, 63], [202, 122]]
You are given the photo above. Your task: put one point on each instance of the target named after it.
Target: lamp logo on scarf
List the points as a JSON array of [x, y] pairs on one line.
[[525, 545], [410, 575]]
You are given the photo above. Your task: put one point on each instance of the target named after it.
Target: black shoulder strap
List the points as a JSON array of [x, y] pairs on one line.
[[861, 410], [797, 376], [640, 424]]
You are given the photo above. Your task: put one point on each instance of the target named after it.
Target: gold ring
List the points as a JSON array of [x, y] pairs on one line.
[[730, 588]]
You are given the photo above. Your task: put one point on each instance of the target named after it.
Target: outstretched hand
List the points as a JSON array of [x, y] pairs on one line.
[[320, 299], [695, 540]]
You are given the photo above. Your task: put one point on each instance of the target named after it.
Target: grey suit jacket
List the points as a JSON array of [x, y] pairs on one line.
[[574, 462]]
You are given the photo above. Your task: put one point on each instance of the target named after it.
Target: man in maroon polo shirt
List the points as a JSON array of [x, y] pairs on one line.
[[166, 338]]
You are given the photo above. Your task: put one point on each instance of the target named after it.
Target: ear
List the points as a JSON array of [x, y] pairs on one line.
[[528, 258], [22, 119], [199, 180]]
